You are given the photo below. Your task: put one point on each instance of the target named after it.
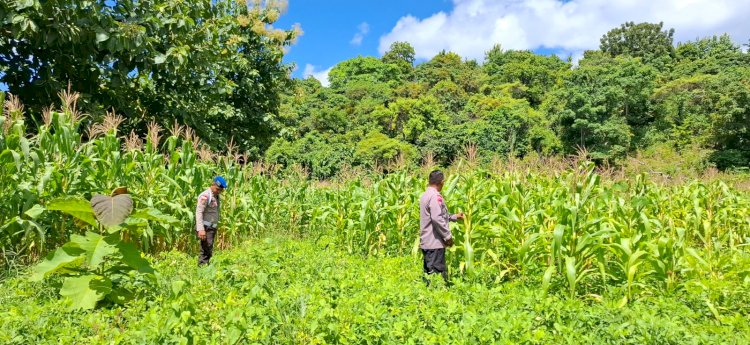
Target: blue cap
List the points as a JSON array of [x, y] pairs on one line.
[[220, 181]]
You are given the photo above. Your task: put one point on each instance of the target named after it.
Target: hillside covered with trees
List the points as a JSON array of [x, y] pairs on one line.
[[637, 91]]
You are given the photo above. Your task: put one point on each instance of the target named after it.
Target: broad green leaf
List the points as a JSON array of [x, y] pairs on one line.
[[97, 247], [85, 291], [34, 212], [66, 256], [111, 211], [178, 286], [24, 143], [155, 215], [131, 256], [74, 206], [120, 295]]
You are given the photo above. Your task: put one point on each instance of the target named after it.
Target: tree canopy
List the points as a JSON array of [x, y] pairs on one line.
[[213, 65], [638, 90]]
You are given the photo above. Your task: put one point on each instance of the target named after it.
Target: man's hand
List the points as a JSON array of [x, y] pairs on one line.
[[449, 242], [460, 216], [202, 235]]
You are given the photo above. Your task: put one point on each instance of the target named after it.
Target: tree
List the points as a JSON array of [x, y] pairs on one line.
[[448, 66], [712, 111], [645, 40], [321, 154], [378, 148], [406, 118], [401, 54], [710, 55], [451, 96], [605, 102], [365, 69], [537, 73], [213, 65]]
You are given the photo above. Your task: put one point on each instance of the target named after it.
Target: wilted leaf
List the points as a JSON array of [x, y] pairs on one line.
[[120, 190], [111, 211]]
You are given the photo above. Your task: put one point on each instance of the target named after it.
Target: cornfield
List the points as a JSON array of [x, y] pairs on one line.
[[572, 232]]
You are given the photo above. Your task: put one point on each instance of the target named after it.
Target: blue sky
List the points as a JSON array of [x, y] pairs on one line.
[[330, 27]]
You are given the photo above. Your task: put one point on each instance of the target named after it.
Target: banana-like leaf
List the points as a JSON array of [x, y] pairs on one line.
[[85, 291], [110, 211], [62, 258], [76, 207]]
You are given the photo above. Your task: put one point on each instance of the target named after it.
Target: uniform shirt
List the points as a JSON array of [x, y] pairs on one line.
[[207, 209], [433, 220]]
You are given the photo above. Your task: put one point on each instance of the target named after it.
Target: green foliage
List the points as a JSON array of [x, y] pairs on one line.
[[646, 40], [449, 66], [401, 54], [322, 155], [567, 237], [305, 291], [378, 148], [213, 65], [605, 103], [538, 74], [95, 267], [709, 110], [366, 69], [638, 90]]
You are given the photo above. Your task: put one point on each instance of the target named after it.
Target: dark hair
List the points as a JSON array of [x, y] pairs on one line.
[[436, 177]]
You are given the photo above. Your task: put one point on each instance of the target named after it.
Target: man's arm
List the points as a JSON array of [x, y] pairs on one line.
[[456, 216], [438, 222], [202, 201]]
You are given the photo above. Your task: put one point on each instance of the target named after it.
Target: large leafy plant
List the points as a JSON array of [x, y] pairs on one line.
[[98, 266]]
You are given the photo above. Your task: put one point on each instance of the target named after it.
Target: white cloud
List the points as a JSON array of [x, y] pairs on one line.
[[322, 76], [363, 29], [474, 26]]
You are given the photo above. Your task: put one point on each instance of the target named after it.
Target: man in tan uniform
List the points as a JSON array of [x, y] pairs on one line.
[[435, 233], [207, 218]]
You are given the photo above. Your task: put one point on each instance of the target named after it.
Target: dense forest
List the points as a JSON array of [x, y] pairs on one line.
[[638, 91]]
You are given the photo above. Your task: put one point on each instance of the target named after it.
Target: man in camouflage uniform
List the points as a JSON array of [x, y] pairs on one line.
[[207, 218], [435, 233]]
